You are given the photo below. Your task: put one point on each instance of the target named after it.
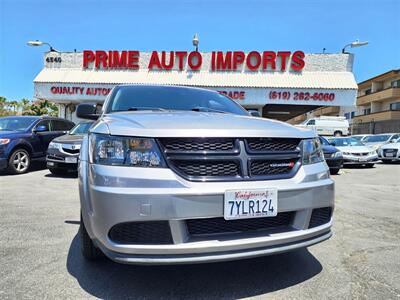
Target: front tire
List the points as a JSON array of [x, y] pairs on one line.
[[334, 171], [88, 248], [19, 162]]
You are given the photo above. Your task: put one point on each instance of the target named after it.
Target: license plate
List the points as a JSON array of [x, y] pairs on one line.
[[71, 159], [245, 204], [362, 159], [388, 154], [50, 163]]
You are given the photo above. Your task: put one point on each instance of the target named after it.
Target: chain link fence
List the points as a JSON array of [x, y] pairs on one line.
[[376, 127]]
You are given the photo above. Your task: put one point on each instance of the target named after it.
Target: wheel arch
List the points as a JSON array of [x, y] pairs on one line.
[[21, 145]]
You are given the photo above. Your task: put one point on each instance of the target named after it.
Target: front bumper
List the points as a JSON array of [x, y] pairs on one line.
[[359, 160], [335, 163], [395, 156], [61, 160], [113, 195]]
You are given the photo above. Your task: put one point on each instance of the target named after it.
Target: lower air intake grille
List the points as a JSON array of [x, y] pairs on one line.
[[222, 226], [320, 216], [153, 233]]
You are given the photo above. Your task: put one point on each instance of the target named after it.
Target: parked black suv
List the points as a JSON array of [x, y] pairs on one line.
[[333, 156], [26, 138]]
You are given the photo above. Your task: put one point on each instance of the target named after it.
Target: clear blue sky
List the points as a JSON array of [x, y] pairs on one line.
[[307, 25]]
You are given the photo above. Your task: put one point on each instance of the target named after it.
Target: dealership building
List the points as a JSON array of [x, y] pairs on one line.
[[279, 84]]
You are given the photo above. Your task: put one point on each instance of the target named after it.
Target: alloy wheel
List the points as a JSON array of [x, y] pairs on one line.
[[21, 161]]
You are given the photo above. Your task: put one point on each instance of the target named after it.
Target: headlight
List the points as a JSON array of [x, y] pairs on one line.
[[125, 151], [338, 154], [4, 141], [372, 153], [54, 145], [346, 153], [312, 152]]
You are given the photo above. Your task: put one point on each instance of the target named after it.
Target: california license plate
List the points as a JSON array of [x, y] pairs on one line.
[[362, 159], [71, 159], [244, 204], [389, 154]]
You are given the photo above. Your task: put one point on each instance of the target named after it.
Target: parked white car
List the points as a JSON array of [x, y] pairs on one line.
[[390, 152], [378, 140], [325, 125], [355, 152]]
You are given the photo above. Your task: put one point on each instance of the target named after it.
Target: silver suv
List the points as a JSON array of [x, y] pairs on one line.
[[171, 175]]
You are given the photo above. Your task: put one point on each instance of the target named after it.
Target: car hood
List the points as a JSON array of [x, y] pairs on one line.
[[69, 139], [194, 124], [329, 149], [12, 134], [391, 146], [354, 149], [375, 145]]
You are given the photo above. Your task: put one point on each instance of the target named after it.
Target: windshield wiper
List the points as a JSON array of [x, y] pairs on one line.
[[207, 109], [133, 108]]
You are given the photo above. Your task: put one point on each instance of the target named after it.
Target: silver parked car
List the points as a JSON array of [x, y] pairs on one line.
[[390, 152], [171, 175], [378, 140], [355, 152]]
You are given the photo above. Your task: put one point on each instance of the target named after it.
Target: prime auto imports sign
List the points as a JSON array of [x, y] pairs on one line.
[[219, 61]]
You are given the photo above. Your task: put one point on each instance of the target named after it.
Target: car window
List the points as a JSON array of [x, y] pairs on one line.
[[81, 128], [395, 137], [377, 138], [44, 123], [59, 125], [311, 122], [343, 142], [324, 141]]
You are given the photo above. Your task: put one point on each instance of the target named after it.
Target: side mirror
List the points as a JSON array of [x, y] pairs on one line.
[[41, 128], [255, 113], [87, 111]]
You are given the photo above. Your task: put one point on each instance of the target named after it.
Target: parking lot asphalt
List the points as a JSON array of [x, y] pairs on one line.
[[40, 257]]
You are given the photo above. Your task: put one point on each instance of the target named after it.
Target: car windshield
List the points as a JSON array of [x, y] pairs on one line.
[[81, 128], [377, 138], [16, 123], [126, 98], [358, 138], [344, 142]]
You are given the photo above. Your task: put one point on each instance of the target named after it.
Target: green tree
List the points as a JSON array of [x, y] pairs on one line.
[[3, 103], [41, 107]]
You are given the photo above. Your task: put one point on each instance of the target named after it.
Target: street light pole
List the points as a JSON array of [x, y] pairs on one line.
[[196, 41], [38, 43], [354, 44]]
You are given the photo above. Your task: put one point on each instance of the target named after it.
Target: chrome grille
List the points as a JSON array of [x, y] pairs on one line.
[[272, 144], [224, 159], [208, 168], [179, 145], [271, 167]]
